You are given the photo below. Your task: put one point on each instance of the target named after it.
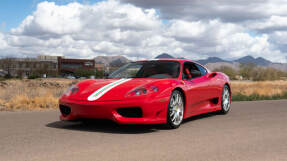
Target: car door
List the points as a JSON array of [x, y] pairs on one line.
[[205, 79], [196, 86]]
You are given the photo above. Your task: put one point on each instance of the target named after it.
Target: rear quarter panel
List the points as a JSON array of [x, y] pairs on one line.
[[217, 83]]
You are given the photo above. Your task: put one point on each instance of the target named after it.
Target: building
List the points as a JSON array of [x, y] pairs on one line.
[[48, 58], [100, 67], [44, 66], [25, 67], [69, 66]]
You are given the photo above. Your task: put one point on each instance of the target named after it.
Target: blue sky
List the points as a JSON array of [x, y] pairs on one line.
[[12, 12]]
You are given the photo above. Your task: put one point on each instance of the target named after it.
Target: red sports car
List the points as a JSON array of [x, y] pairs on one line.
[[163, 91]]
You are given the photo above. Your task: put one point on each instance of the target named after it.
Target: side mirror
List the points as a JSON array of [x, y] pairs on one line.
[[195, 73]]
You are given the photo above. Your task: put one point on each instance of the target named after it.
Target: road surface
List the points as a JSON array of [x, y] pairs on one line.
[[252, 131]]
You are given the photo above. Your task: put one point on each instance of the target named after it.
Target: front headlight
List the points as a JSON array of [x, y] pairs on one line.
[[144, 90], [72, 90]]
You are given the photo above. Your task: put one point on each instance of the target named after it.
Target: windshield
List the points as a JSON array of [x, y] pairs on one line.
[[148, 69]]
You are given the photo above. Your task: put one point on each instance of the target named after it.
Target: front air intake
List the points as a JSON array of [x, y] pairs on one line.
[[130, 112]]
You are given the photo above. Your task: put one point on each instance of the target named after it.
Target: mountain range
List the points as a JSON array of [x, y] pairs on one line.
[[211, 62], [215, 62], [164, 55], [111, 60]]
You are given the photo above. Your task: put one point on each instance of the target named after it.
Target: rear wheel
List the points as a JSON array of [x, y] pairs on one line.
[[225, 100], [175, 110]]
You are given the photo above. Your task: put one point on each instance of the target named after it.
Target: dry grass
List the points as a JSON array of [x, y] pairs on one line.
[[264, 88], [32, 94], [43, 94]]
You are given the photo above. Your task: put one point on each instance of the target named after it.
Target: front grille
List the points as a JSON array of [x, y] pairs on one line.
[[130, 112], [65, 110]]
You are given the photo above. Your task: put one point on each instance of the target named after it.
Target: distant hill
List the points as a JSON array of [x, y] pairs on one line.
[[211, 60], [212, 66], [245, 60], [112, 60], [214, 62], [258, 61], [164, 55]]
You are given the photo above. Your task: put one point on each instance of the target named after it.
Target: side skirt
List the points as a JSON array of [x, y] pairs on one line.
[[205, 107]]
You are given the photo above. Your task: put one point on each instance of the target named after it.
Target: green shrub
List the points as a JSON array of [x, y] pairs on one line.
[[256, 97], [228, 71], [100, 74], [257, 73], [84, 73], [33, 76], [8, 76]]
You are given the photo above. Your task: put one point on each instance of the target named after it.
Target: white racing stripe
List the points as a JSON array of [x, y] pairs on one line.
[[100, 92]]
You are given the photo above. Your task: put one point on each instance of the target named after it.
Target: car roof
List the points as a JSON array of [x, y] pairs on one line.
[[173, 59], [169, 59]]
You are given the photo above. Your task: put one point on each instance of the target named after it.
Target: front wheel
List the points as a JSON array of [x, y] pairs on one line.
[[175, 110], [225, 100]]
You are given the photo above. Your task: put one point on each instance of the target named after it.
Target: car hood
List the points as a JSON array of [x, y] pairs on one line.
[[111, 89]]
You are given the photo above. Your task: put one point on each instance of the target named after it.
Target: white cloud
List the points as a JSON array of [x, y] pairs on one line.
[[269, 25], [3, 43], [52, 19], [187, 30], [279, 37], [115, 28], [82, 30]]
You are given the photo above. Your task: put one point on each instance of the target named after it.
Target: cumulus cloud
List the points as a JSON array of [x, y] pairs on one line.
[[72, 18], [139, 29], [82, 30], [226, 10], [51, 19], [274, 23], [3, 43]]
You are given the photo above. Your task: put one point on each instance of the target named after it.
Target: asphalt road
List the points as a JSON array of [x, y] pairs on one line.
[[251, 131]]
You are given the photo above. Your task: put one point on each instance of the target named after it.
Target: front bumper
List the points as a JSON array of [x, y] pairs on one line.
[[153, 111]]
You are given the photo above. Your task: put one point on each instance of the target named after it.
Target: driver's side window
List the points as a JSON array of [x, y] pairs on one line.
[[190, 71]]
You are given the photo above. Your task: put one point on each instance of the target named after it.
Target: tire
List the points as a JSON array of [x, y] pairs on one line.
[[175, 110], [225, 100]]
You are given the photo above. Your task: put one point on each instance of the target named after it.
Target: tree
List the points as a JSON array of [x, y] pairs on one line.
[[228, 71], [100, 73], [84, 72], [247, 70], [262, 74]]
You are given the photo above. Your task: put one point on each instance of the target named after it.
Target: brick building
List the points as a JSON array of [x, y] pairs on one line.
[[69, 66], [25, 67], [43, 66]]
